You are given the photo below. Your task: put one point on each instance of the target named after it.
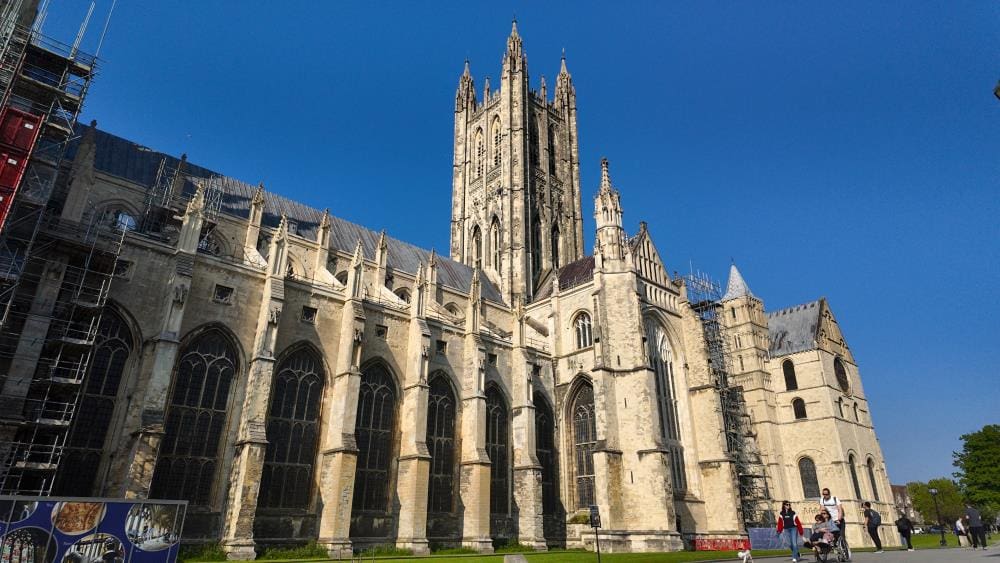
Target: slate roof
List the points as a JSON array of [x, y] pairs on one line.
[[133, 162], [571, 275], [794, 329], [737, 286]]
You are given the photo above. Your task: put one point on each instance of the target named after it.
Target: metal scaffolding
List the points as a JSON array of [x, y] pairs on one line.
[[705, 296], [55, 273]]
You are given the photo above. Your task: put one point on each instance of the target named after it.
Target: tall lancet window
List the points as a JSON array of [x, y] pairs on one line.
[[661, 359], [292, 431], [552, 151], [441, 443], [536, 248], [477, 246], [373, 430], [545, 449], [82, 457], [584, 331], [555, 246], [195, 418], [584, 441], [497, 139], [497, 447], [480, 153], [495, 244]]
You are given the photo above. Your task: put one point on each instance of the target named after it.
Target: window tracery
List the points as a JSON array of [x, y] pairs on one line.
[[441, 406], [497, 447], [93, 418], [584, 441], [195, 419], [373, 431], [292, 431], [662, 362], [546, 451]]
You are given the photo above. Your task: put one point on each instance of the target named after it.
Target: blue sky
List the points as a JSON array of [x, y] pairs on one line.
[[846, 150]]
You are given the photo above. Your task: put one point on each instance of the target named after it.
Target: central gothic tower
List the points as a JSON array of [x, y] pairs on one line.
[[516, 177]]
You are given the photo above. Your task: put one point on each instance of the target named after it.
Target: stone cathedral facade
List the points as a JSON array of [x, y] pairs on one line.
[[299, 378]]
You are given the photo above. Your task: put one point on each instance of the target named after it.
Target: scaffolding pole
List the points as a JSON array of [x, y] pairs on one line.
[[705, 296]]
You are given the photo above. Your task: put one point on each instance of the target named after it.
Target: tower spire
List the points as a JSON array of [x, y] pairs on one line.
[[465, 96], [737, 286], [514, 59]]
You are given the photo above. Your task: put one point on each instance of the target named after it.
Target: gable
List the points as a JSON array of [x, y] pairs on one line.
[[648, 264]]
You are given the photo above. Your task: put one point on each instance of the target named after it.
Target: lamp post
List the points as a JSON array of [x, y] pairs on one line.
[[937, 509]]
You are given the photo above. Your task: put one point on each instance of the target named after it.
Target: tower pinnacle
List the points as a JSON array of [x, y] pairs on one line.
[[737, 286]]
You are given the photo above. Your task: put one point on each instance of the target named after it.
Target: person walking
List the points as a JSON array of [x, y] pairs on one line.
[[905, 528], [872, 521], [976, 532], [790, 525]]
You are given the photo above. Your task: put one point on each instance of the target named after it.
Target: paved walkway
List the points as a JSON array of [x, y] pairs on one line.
[[956, 555]]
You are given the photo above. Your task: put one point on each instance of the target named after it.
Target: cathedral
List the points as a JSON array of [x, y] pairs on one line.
[[296, 377]]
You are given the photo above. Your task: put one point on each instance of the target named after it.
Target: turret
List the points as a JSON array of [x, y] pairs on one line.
[[465, 96], [514, 60], [610, 242]]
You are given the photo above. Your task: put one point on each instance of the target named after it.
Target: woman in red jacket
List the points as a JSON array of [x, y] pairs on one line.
[[789, 524]]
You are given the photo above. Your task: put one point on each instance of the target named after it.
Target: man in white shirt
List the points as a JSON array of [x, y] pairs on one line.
[[833, 506]]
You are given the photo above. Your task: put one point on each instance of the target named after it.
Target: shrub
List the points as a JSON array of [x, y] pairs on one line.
[[201, 552], [308, 551]]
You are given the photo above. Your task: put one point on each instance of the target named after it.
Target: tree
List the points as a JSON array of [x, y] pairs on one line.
[[949, 500], [979, 468]]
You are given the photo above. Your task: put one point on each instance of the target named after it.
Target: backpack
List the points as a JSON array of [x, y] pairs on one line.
[[874, 518]]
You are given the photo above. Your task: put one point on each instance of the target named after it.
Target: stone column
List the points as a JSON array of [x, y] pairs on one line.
[[29, 349], [414, 458], [142, 455], [339, 457], [251, 441], [527, 470], [474, 480]]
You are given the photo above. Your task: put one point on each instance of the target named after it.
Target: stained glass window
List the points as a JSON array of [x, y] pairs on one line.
[[92, 420], [584, 440], [807, 473], [497, 447], [661, 359], [545, 451], [292, 431], [584, 331], [195, 420], [441, 443], [373, 430]]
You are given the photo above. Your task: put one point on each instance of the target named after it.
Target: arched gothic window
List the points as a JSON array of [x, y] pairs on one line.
[[857, 417], [96, 405], [807, 474], [477, 246], [403, 294], [799, 408], [480, 153], [546, 451], [552, 151], [841, 373], [584, 441], [533, 144], [292, 431], [840, 406], [497, 446], [536, 248], [555, 246], [373, 430], [497, 138], [584, 331], [871, 478], [495, 244], [852, 463], [662, 361], [441, 443], [195, 419], [791, 383]]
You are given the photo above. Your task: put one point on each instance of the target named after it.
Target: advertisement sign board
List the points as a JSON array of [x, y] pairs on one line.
[[89, 530]]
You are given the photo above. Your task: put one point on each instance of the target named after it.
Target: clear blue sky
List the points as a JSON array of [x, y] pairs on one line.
[[846, 150]]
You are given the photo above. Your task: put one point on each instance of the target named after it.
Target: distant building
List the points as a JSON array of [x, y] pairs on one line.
[[297, 377], [904, 504]]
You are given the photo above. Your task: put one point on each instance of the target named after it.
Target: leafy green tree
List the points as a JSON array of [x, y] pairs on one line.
[[949, 499], [979, 469]]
